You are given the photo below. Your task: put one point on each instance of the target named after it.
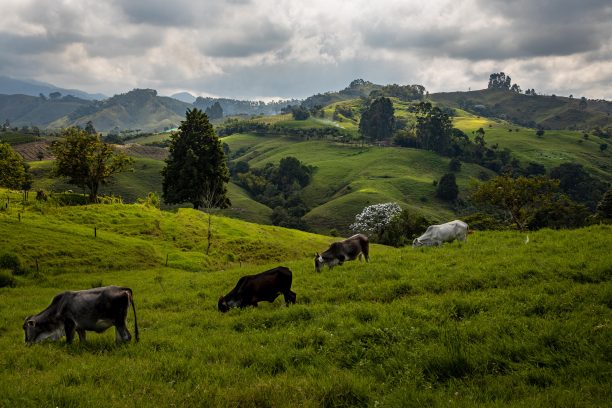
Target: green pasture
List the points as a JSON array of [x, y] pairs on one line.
[[348, 177], [491, 322], [552, 149]]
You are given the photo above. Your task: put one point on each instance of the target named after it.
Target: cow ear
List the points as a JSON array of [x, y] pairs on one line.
[[317, 254]]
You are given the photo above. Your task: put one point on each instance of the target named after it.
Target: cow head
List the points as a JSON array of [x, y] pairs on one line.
[[222, 305], [319, 262], [416, 243], [36, 331]]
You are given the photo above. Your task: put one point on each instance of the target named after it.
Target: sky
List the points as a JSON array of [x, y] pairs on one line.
[[270, 49]]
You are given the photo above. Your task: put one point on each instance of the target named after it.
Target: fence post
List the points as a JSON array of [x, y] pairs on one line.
[[95, 232]]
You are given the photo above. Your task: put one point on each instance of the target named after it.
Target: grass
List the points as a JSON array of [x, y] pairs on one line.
[[552, 149], [492, 322]]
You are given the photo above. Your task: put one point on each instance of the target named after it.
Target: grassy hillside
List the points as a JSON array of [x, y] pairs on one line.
[[493, 322], [551, 112], [23, 110], [552, 149], [348, 178]]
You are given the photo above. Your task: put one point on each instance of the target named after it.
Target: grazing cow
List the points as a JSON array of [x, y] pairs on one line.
[[256, 288], [346, 250], [85, 310], [438, 234]]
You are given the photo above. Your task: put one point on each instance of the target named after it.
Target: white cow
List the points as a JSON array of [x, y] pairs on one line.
[[438, 234]]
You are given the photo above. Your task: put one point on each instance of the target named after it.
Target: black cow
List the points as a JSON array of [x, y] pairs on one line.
[[346, 250], [256, 288], [85, 310]]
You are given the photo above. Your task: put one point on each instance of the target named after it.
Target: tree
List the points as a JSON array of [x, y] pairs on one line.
[[582, 105], [604, 207], [373, 219], [518, 198], [603, 147], [215, 111], [434, 128], [300, 113], [540, 132], [447, 187], [12, 170], [515, 88], [89, 128], [499, 80], [377, 121], [196, 168], [578, 184], [196, 165], [86, 161], [454, 165]]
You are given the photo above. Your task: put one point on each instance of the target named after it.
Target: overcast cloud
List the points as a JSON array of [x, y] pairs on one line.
[[284, 48]]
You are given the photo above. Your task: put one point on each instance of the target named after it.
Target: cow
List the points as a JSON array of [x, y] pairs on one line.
[[346, 250], [84, 310], [265, 286], [438, 234]]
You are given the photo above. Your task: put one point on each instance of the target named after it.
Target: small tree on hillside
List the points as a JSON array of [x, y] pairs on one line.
[[434, 128], [86, 161], [519, 198], [604, 208], [377, 121], [12, 169], [447, 188]]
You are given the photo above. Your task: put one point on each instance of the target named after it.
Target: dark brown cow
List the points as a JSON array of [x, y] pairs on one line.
[[85, 310], [265, 286], [346, 250]]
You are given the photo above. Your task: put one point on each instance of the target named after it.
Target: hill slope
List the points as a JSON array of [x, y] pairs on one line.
[[549, 112]]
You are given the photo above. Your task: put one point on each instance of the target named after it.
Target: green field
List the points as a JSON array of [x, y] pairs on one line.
[[492, 322]]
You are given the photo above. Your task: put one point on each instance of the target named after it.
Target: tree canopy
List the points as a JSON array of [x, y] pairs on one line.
[[87, 161], [434, 128], [377, 121], [215, 111], [499, 80], [12, 170], [196, 168]]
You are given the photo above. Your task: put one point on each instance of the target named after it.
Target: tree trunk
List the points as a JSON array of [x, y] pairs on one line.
[[209, 236]]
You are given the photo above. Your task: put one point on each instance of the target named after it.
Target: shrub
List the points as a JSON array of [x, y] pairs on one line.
[[12, 262], [403, 229], [373, 219], [447, 187], [6, 280]]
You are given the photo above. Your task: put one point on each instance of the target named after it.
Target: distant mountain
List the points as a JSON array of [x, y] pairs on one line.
[[138, 109], [24, 110], [184, 97], [11, 86], [549, 112], [241, 107]]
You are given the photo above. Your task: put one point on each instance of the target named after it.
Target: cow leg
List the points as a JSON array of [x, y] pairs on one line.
[[290, 297], [122, 333], [82, 336], [69, 330], [359, 257]]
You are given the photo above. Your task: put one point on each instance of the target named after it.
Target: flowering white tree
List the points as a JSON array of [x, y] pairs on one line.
[[374, 218]]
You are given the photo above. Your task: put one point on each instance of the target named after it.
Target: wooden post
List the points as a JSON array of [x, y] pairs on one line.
[[95, 232], [19, 216], [36, 259], [166, 259]]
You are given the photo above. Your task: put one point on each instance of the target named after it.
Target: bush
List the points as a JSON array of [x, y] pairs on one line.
[[454, 165], [6, 280], [481, 221], [447, 187], [12, 262], [403, 229]]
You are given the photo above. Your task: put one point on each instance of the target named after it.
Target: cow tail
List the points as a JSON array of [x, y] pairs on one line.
[[136, 336]]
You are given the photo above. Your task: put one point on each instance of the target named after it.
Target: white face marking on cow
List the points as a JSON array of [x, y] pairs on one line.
[[320, 259], [52, 334]]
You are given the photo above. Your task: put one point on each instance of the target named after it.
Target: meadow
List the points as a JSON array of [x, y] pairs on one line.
[[492, 322]]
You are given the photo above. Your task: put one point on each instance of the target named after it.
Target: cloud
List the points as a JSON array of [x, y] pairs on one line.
[[245, 48]]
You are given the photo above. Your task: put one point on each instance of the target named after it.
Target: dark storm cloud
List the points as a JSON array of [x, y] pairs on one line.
[[257, 38], [12, 44], [509, 29]]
